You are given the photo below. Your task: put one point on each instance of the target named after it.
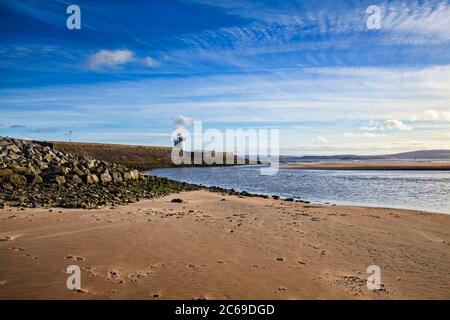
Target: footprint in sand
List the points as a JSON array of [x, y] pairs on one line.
[[16, 249], [29, 256], [69, 257], [79, 291], [195, 266]]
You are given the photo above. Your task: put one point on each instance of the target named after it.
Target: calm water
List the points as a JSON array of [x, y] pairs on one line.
[[420, 190]]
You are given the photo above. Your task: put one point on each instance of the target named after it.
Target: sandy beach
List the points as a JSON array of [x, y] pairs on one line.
[[217, 246], [444, 166]]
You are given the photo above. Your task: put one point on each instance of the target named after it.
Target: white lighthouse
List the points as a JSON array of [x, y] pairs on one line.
[[178, 142]]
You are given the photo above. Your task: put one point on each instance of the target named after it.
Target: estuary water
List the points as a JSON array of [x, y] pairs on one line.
[[418, 190]]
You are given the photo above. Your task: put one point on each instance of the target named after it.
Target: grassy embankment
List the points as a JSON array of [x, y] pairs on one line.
[[135, 157]]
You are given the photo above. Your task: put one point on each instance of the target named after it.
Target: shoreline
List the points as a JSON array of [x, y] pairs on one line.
[[214, 245], [378, 166]]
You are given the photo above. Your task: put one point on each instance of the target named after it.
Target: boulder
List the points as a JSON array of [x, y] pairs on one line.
[[60, 180], [5, 172], [75, 179], [55, 171], [18, 169], [90, 179], [47, 158], [131, 175], [105, 177], [17, 179], [80, 171], [117, 177], [37, 180]]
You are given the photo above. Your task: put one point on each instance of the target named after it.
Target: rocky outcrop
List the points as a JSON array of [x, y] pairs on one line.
[[34, 174], [25, 162]]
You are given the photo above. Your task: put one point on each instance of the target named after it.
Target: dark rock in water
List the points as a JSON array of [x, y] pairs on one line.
[[289, 199], [276, 197]]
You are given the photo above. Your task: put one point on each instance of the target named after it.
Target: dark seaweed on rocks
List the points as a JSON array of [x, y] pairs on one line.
[[33, 174]]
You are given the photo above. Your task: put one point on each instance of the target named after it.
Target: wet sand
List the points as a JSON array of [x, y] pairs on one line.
[[216, 246], [435, 166]]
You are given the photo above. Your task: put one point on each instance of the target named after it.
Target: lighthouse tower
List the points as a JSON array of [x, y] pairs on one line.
[[178, 142]]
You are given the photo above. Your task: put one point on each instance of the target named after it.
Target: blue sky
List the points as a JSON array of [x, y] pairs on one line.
[[310, 68]]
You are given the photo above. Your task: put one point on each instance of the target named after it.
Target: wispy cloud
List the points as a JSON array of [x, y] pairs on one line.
[[120, 57], [388, 125], [432, 115], [182, 121], [319, 139], [110, 58]]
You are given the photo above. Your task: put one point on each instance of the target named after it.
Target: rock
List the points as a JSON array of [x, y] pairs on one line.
[[105, 177], [177, 200], [80, 171], [32, 174], [127, 176], [5, 172], [47, 158], [91, 179], [17, 179], [55, 171], [60, 180], [37, 180], [117, 177], [91, 164], [18, 169], [75, 179], [134, 174]]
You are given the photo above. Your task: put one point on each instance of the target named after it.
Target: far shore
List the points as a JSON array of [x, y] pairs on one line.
[[411, 165], [208, 245]]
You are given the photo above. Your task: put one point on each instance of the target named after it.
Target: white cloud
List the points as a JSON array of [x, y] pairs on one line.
[[109, 58], [182, 121], [373, 135], [429, 18], [431, 115], [395, 124], [319, 139], [387, 124], [112, 58], [364, 134], [150, 62]]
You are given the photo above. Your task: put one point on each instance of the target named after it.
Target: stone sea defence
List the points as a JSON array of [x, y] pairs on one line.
[[34, 174]]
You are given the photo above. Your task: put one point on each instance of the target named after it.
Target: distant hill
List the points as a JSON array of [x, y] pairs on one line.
[[412, 155]]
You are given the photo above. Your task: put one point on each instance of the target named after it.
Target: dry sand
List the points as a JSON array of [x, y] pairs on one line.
[[445, 166], [217, 246]]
